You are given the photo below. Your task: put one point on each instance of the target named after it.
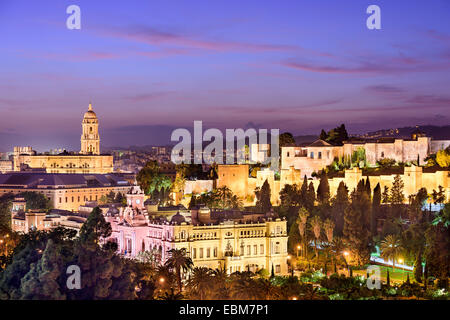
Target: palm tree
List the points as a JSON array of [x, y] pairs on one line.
[[391, 248], [179, 260], [316, 225], [337, 249], [221, 285], [265, 290], [243, 287], [236, 202], [223, 197], [328, 227], [200, 282], [301, 222], [438, 196]]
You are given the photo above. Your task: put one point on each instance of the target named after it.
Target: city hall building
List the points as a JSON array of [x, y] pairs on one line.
[[230, 240]]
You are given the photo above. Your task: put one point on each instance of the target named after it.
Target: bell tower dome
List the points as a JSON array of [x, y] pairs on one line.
[[90, 139]]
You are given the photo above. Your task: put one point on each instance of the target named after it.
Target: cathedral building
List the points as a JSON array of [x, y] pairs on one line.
[[88, 160]]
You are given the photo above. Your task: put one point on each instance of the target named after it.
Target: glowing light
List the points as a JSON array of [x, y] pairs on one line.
[[161, 280], [346, 253], [289, 257], [298, 247], [400, 260], [294, 298]]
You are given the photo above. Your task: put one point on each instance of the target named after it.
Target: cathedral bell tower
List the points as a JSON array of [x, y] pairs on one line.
[[90, 140]]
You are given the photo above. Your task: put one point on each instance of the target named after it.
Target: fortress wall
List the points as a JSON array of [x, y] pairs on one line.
[[235, 177], [198, 186]]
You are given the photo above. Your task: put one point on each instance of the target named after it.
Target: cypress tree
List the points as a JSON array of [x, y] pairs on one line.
[[323, 135], [385, 198], [311, 197], [323, 191], [263, 203], [376, 205], [397, 196], [368, 188], [304, 192], [340, 204]]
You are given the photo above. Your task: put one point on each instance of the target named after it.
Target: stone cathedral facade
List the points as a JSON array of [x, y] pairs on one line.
[[88, 160]]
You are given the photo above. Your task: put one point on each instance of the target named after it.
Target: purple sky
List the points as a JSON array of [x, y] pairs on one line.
[[150, 66]]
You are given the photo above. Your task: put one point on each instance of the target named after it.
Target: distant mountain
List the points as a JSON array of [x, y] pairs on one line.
[[305, 139], [436, 132]]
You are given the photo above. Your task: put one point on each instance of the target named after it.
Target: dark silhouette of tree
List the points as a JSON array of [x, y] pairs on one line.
[[437, 253], [376, 206], [263, 203], [179, 260], [310, 197], [200, 283], [356, 234], [339, 205], [303, 192], [323, 191], [323, 135], [286, 138], [385, 197]]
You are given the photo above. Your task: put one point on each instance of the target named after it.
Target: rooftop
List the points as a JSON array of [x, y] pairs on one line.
[[35, 180]]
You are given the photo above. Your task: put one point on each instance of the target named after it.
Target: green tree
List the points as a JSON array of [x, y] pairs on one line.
[[302, 223], [41, 282], [95, 227], [443, 157], [200, 283], [356, 234], [179, 260], [438, 196], [391, 249], [285, 139], [437, 253], [397, 197], [316, 228], [146, 176]]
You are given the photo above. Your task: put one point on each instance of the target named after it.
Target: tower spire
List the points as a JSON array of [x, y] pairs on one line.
[[90, 106]]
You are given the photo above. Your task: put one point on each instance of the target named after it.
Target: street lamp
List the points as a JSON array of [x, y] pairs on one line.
[[298, 249], [345, 253]]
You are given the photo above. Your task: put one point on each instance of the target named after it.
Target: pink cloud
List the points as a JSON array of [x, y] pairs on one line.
[[157, 37]]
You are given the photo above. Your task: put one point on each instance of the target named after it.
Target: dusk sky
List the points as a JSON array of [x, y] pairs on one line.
[[151, 66]]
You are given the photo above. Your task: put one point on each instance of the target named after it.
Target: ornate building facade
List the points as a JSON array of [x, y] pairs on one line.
[[234, 241], [88, 160]]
